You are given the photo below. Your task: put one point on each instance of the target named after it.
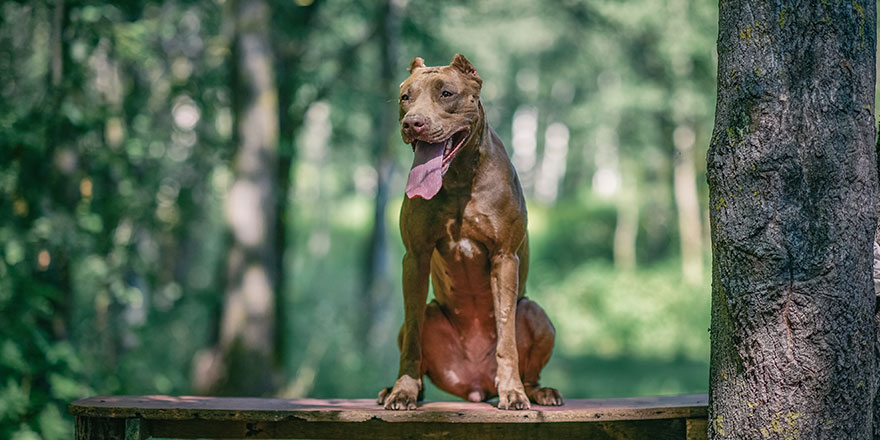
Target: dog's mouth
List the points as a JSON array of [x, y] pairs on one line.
[[431, 162]]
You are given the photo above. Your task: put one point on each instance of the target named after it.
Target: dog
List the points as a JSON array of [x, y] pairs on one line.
[[463, 224]]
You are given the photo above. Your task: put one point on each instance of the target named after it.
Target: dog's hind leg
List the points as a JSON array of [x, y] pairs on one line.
[[445, 360], [535, 336]]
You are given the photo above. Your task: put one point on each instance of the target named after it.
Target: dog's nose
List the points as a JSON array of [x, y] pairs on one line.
[[415, 123]]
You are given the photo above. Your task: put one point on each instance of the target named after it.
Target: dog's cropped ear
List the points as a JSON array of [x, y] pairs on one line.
[[416, 63], [464, 66]]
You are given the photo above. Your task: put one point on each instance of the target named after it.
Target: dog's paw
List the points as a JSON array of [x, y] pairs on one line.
[[404, 395], [513, 399], [547, 396], [383, 393], [400, 401]]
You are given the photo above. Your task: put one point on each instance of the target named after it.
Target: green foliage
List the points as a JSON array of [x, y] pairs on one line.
[[40, 374], [605, 313], [102, 191], [572, 232]]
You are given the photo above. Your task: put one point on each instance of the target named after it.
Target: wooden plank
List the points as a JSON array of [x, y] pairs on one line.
[[660, 429], [361, 410], [697, 429], [135, 429], [95, 428]]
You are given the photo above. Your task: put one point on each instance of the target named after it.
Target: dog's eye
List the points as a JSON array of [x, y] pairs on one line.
[[446, 94], [404, 97]]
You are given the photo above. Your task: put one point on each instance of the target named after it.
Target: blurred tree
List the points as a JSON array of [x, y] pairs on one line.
[[793, 193], [627, 224], [678, 125], [245, 360], [690, 230], [290, 24], [376, 283]]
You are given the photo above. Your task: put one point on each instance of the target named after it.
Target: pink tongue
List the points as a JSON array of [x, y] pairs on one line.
[[425, 177]]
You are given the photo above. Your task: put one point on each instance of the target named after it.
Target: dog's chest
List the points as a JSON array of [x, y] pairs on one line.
[[460, 245], [461, 268], [463, 249]]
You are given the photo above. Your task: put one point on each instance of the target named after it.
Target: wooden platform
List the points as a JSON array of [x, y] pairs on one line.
[[139, 417]]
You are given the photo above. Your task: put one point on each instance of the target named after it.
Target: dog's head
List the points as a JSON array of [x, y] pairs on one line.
[[439, 113]]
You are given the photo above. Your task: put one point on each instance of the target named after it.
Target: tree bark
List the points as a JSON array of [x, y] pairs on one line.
[[876, 279], [793, 196], [244, 362]]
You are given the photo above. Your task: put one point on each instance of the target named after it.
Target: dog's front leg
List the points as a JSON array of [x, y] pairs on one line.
[[416, 269], [505, 279]]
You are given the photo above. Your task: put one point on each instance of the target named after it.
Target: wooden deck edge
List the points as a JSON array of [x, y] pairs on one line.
[[359, 410], [143, 417], [140, 429]]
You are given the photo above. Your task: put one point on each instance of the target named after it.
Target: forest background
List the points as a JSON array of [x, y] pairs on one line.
[[124, 152]]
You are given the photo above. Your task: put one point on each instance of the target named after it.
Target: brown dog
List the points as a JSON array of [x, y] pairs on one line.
[[463, 222]]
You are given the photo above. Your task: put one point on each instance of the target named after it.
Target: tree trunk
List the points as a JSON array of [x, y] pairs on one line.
[[626, 229], [687, 204], [288, 50], [377, 282], [56, 44], [60, 275], [283, 222], [793, 193], [244, 363], [876, 279]]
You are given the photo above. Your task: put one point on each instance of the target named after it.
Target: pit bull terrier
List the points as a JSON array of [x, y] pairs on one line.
[[463, 223]]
